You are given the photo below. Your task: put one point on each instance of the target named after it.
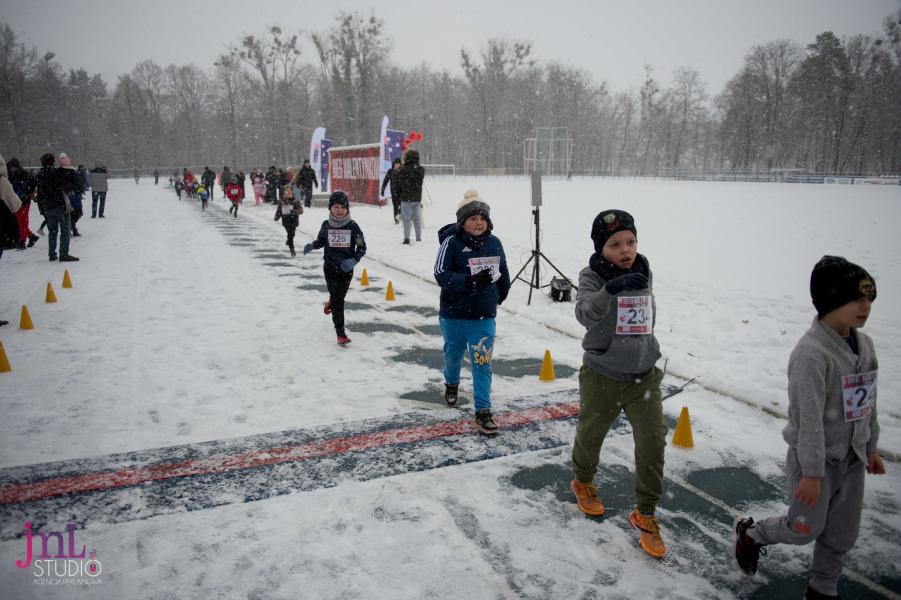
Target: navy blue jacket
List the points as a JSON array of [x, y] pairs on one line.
[[459, 256], [340, 243]]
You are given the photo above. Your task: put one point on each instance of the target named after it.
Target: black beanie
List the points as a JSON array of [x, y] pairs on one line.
[[339, 197], [834, 282], [609, 222]]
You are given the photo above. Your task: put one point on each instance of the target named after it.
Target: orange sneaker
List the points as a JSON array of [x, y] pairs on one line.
[[649, 533], [587, 497]]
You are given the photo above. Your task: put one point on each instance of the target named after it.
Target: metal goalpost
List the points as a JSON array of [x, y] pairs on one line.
[[549, 152]]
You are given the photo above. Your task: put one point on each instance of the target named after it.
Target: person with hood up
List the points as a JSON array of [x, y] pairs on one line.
[[24, 185], [409, 187], [10, 204], [471, 269], [305, 180]]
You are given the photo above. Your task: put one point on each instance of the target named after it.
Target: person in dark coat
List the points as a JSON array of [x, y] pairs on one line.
[[305, 180], [208, 179], [390, 177], [52, 193], [24, 185], [75, 188], [409, 180], [471, 269], [344, 247]]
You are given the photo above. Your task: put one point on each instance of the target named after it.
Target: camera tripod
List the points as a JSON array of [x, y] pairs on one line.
[[536, 258]]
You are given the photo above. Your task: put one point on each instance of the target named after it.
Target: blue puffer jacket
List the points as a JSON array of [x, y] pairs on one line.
[[460, 255]]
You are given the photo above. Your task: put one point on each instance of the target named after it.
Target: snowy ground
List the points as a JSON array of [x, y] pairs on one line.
[[184, 328]]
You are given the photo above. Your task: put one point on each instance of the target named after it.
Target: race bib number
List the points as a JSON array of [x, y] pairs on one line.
[[634, 315], [339, 238], [858, 395], [486, 262]]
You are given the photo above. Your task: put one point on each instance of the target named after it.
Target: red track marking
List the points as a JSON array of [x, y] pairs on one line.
[[105, 480]]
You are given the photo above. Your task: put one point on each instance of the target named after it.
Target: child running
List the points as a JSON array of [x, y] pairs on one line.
[[832, 431], [471, 269], [204, 196], [233, 193], [616, 306], [344, 247], [289, 209]]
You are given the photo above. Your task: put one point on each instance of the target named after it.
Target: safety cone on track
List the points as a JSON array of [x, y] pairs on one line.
[[67, 281], [682, 436], [389, 295], [51, 295], [364, 279], [4, 362], [547, 368], [25, 319]]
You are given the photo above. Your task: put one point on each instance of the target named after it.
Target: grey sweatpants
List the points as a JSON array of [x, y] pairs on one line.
[[833, 523], [410, 212]]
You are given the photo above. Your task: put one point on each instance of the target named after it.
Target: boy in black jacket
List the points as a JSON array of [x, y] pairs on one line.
[[344, 247]]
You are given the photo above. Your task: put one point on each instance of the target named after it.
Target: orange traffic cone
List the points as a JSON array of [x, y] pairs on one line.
[[364, 279], [682, 436], [547, 368], [389, 295], [25, 319], [4, 362], [51, 295], [67, 281]]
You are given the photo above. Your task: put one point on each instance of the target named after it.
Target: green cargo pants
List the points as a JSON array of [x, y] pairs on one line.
[[601, 399]]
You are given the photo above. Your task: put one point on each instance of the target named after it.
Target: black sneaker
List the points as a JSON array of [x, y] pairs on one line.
[[450, 393], [67, 258], [812, 594], [52, 257], [32, 240], [747, 551], [407, 241], [485, 422]]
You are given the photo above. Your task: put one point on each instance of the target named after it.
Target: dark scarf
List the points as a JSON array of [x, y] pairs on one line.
[[472, 241], [607, 270]]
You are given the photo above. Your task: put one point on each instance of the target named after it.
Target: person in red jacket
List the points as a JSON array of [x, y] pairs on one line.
[[233, 193], [190, 183]]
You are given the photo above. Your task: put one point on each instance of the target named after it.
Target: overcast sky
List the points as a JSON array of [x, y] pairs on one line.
[[612, 40]]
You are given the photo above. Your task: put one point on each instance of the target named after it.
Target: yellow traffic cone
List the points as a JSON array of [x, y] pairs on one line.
[[547, 368], [51, 296], [67, 281], [389, 295], [364, 280], [25, 319], [4, 362], [682, 436]]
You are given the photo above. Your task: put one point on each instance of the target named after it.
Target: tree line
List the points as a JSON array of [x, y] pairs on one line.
[[830, 106]]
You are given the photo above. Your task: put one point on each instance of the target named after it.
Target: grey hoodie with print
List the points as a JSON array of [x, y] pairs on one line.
[[619, 357], [816, 428]]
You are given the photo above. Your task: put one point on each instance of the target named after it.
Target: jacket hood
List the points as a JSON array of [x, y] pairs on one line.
[[412, 157], [446, 231]]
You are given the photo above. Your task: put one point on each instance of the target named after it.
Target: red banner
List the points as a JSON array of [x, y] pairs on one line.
[[355, 170]]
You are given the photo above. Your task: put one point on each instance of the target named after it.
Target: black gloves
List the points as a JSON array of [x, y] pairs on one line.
[[629, 281], [480, 280]]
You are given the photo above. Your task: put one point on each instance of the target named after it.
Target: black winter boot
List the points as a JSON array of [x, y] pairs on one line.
[[450, 393]]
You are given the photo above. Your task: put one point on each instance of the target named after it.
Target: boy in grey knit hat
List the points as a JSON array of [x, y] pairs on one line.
[[832, 431]]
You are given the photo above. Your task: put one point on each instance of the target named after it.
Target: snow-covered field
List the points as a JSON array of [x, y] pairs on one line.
[[185, 327]]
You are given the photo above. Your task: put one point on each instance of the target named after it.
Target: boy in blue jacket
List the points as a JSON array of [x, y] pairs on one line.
[[344, 247], [471, 269]]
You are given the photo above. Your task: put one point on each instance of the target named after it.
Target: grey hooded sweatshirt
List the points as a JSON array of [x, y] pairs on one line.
[[620, 357], [817, 428]]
